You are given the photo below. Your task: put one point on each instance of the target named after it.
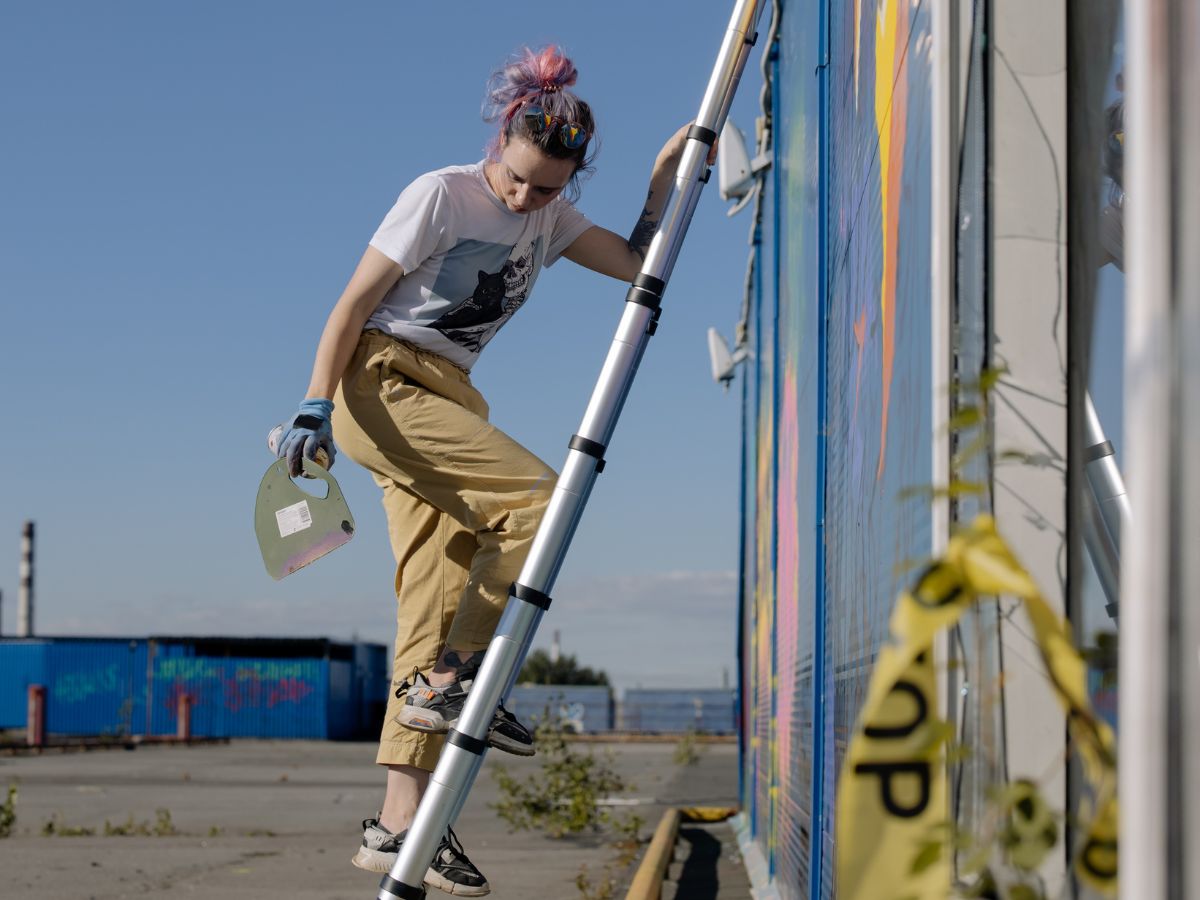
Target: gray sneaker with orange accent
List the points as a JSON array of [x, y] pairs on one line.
[[436, 711]]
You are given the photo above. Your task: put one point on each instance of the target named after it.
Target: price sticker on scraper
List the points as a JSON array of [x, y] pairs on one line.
[[296, 526]]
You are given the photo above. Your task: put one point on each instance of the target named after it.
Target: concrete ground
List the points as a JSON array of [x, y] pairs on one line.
[[266, 819]]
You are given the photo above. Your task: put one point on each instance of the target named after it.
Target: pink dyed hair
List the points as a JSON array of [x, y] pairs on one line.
[[539, 76]]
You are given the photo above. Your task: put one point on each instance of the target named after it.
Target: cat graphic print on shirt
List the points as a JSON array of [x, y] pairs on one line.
[[496, 297], [469, 262]]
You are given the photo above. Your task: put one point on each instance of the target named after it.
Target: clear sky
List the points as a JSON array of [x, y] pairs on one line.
[[186, 188]]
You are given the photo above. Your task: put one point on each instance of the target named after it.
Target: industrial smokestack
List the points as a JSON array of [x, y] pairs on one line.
[[555, 648], [25, 598]]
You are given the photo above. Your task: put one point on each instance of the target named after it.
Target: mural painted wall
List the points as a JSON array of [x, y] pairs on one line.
[[838, 405]]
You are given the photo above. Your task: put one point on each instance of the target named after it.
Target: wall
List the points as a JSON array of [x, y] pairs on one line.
[[838, 407]]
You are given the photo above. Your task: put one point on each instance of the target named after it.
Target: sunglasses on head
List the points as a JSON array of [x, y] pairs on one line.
[[571, 135]]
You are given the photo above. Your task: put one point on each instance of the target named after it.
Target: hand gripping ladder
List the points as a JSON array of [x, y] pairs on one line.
[[529, 598]]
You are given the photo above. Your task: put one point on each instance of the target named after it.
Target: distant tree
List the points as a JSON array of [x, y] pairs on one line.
[[540, 669]]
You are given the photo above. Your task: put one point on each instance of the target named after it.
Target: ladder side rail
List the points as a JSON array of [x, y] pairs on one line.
[[1104, 476]]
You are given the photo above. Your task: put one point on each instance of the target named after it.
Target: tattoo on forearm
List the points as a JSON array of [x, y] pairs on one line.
[[643, 232]]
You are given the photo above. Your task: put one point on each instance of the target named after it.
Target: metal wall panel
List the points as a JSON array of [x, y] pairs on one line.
[[239, 696], [583, 708], [878, 349], [762, 636], [22, 663], [374, 682], [839, 418], [796, 238], [93, 686], [678, 711], [123, 686], [748, 599]]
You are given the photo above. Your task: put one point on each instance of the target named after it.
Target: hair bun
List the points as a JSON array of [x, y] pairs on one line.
[[527, 73]]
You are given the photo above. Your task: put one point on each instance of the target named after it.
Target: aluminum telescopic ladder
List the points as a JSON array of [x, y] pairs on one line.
[[530, 595], [1106, 507]]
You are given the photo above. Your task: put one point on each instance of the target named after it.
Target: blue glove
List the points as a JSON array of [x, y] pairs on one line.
[[306, 432]]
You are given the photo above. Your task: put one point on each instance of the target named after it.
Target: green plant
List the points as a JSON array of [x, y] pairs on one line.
[[8, 811], [54, 826], [564, 796], [1005, 830], [603, 888], [128, 828], [162, 827], [628, 829], [687, 752]]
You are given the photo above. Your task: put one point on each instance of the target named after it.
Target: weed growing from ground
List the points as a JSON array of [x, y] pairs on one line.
[[161, 827], [687, 752], [564, 796], [8, 811], [56, 827], [603, 888]]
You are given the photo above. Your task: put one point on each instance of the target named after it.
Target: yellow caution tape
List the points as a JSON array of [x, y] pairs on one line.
[[892, 788]]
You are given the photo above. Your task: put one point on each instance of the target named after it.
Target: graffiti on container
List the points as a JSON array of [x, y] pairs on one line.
[[251, 685], [75, 687], [250, 691], [572, 716], [192, 669]]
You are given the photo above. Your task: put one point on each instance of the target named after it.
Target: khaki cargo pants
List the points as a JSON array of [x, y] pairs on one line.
[[463, 501]]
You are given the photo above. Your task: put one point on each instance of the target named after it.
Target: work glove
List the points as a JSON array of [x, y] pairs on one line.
[[307, 433]]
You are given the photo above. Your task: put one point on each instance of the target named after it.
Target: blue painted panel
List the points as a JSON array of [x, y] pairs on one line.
[[94, 687], [240, 697], [583, 708], [374, 684], [21, 664], [797, 245], [342, 704], [879, 392], [678, 711], [123, 686], [838, 412]]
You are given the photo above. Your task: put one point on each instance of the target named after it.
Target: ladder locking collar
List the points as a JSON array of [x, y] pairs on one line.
[[530, 595]]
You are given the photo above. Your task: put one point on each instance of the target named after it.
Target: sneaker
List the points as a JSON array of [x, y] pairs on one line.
[[450, 870], [436, 711], [453, 873]]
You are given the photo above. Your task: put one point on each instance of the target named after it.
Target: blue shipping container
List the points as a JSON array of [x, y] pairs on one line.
[[237, 687]]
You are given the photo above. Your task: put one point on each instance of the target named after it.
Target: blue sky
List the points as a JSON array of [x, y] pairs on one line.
[[186, 188]]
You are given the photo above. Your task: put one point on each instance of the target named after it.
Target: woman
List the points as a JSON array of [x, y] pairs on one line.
[[452, 261]]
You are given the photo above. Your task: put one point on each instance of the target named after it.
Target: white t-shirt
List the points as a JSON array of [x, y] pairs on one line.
[[469, 261]]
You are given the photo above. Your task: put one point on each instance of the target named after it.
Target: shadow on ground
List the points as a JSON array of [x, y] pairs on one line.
[[698, 878]]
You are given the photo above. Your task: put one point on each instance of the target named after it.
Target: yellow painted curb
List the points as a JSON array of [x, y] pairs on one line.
[[648, 881], [707, 813]]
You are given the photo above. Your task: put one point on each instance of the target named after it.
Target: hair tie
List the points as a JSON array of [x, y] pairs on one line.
[[549, 87]]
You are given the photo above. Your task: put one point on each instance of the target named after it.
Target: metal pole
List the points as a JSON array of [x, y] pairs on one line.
[[530, 596], [25, 597], [1104, 478], [1144, 678], [1107, 510]]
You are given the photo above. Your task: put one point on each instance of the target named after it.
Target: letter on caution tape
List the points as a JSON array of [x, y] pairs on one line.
[[892, 788]]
